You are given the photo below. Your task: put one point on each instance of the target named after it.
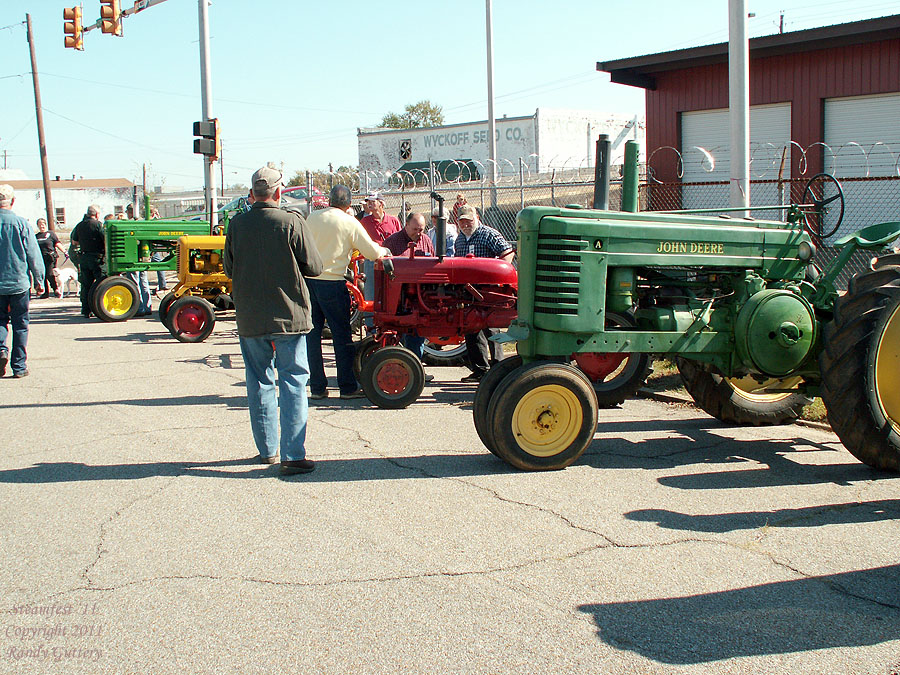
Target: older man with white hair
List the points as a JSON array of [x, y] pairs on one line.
[[19, 253]]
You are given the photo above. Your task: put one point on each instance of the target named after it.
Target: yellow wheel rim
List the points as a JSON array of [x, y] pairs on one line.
[[887, 370], [751, 390], [547, 420], [117, 300]]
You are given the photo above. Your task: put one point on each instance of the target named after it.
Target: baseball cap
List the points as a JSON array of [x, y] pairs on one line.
[[374, 196], [466, 213], [436, 211], [266, 178], [7, 193]]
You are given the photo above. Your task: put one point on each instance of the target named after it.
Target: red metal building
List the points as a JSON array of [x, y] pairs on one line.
[[808, 78]]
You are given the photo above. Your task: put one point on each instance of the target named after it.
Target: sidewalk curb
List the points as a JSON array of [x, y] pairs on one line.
[[664, 397]]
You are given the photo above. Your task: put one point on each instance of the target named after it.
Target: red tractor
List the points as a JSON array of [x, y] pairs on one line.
[[429, 297]]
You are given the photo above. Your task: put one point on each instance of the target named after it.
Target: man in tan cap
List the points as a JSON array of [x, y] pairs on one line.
[[268, 252], [480, 241], [19, 253]]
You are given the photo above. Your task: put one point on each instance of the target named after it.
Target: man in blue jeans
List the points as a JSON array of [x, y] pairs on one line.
[[267, 253], [337, 234], [19, 253]]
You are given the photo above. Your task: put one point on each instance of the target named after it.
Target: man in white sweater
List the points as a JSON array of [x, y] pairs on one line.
[[336, 234]]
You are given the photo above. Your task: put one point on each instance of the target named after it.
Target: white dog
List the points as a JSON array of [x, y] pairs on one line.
[[68, 280]]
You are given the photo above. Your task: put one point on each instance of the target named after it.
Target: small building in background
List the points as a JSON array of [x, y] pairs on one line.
[[71, 198], [549, 139]]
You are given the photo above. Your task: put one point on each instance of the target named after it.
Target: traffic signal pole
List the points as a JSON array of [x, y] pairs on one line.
[[209, 175], [45, 170]]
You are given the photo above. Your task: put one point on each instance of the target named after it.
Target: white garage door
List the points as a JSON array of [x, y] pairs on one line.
[[862, 135], [705, 141]]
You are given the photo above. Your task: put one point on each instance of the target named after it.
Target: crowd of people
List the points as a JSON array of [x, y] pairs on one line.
[[288, 280]]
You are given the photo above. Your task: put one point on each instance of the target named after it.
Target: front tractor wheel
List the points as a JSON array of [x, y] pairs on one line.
[[392, 377], [543, 416], [190, 319], [483, 395], [115, 298], [860, 366], [743, 400]]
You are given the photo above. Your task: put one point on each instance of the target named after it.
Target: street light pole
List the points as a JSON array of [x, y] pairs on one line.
[[209, 176], [739, 102], [492, 125]]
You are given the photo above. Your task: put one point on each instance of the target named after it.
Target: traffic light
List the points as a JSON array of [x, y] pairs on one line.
[[110, 17], [72, 28], [208, 143]]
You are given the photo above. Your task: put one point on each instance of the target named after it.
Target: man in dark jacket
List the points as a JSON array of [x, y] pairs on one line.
[[88, 236], [268, 251]]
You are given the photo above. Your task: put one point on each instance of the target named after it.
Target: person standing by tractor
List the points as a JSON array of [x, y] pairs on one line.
[[19, 254], [336, 234], [268, 252], [398, 244], [482, 242], [50, 250], [379, 224], [140, 277], [89, 239]]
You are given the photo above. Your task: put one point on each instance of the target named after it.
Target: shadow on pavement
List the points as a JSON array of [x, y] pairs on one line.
[[695, 441], [233, 402], [851, 609], [809, 516], [327, 470]]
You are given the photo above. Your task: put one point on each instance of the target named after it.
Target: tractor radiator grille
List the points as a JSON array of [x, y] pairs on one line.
[[558, 268], [116, 245]]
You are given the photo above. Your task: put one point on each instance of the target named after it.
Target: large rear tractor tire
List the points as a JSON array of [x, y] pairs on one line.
[[543, 416], [743, 401], [486, 389], [392, 377], [116, 298], [191, 319], [861, 366], [436, 354]]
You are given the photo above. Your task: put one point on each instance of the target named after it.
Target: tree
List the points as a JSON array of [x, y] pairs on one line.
[[416, 116], [321, 179]]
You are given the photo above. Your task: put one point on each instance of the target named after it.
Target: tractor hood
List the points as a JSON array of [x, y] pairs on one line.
[[468, 270]]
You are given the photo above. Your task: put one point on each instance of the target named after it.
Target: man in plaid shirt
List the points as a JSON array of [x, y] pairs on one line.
[[482, 242]]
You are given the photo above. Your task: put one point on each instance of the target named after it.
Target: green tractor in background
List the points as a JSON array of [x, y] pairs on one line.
[[755, 328]]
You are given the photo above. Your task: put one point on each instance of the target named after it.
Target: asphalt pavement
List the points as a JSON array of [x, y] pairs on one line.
[[140, 536]]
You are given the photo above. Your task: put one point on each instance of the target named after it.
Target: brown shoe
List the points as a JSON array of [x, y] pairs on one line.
[[296, 466], [359, 393], [268, 460]]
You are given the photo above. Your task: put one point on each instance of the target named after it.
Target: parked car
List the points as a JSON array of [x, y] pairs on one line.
[[319, 199]]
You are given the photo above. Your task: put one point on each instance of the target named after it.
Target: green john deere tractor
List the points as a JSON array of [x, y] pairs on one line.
[[755, 328]]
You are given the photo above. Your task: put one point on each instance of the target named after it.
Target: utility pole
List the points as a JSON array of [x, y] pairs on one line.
[[209, 176], [144, 192], [45, 171]]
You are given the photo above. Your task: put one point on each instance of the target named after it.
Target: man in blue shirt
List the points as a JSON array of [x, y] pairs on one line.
[[19, 253], [480, 241]]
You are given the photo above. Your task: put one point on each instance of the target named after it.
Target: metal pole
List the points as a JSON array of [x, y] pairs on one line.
[[492, 125], [630, 178], [739, 102], [521, 183], [209, 176], [45, 170], [601, 174]]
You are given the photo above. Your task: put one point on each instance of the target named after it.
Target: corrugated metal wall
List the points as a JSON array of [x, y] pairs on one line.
[[804, 79]]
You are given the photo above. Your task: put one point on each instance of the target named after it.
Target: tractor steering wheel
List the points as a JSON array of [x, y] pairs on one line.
[[820, 203]]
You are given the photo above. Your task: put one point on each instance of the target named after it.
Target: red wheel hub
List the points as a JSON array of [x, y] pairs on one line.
[[392, 378], [190, 320], [597, 366]]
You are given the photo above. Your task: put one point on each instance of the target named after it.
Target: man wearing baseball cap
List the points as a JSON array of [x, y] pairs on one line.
[[379, 224], [482, 242], [268, 252], [19, 253]]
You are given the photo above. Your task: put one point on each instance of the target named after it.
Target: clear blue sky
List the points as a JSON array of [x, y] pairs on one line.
[[292, 81]]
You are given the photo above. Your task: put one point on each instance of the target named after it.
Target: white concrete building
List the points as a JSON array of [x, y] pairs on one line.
[[71, 198], [549, 139]]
